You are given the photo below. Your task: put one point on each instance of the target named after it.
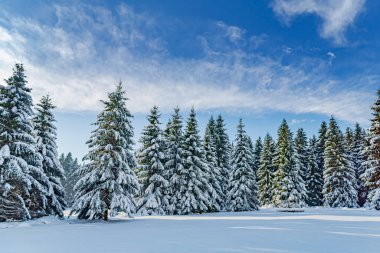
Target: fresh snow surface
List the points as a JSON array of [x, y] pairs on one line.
[[268, 230]]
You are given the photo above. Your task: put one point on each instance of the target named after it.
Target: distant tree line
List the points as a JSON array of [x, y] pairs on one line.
[[176, 171]]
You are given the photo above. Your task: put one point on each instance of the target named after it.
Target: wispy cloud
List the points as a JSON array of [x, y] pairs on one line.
[[89, 49], [336, 15]]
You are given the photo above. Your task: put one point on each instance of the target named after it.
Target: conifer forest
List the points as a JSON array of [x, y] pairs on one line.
[[175, 170]]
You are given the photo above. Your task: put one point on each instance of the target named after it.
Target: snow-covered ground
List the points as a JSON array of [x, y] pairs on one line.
[[315, 230]]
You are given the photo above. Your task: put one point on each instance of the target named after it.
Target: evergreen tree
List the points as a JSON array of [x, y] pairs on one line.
[[23, 184], [108, 182], [70, 167], [196, 189], [266, 172], [46, 133], [242, 190], [339, 176], [174, 165], [371, 176], [357, 152], [289, 187], [300, 149], [314, 182], [154, 200], [256, 155], [223, 150], [217, 197], [321, 142]]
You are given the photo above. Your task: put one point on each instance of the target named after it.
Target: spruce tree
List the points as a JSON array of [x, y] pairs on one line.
[[289, 187], [321, 141], [195, 188], [358, 158], [223, 152], [154, 200], [371, 176], [71, 168], [23, 184], [314, 182], [217, 197], [266, 172], [174, 165], [242, 190], [256, 155], [108, 182], [46, 133], [339, 176], [300, 149]]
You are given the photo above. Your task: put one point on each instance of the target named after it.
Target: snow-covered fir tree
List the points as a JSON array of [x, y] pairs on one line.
[[242, 190], [195, 187], [23, 184], [371, 176], [256, 155], [46, 133], [108, 182], [300, 151], [289, 187], [154, 199], [314, 177], [70, 167], [339, 176], [357, 152], [217, 197], [266, 172], [321, 141], [174, 165], [223, 152]]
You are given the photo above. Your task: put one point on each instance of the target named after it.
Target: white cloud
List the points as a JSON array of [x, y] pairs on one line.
[[336, 15], [77, 68], [234, 33]]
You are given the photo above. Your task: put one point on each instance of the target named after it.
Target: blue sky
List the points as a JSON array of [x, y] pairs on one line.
[[302, 60]]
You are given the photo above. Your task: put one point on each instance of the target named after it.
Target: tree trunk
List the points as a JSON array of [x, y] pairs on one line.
[[105, 215]]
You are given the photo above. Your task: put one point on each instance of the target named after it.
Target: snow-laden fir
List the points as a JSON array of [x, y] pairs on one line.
[[289, 186], [371, 176], [108, 183], [24, 187], [242, 192], [215, 172], [175, 160], [196, 190], [266, 172], [154, 199], [46, 133], [339, 176]]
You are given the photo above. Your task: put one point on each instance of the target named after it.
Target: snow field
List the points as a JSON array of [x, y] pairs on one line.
[[315, 230]]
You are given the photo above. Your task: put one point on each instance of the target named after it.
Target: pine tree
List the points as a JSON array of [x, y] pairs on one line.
[[223, 151], [154, 200], [339, 176], [70, 167], [266, 172], [217, 197], [108, 182], [196, 189], [314, 182], [371, 176], [23, 184], [242, 189], [300, 149], [289, 187], [46, 133], [174, 165]]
